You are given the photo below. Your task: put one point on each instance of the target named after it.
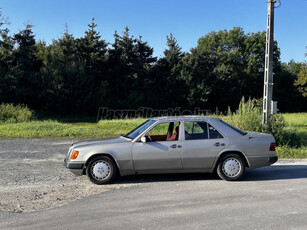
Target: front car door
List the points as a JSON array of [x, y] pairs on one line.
[[162, 150], [201, 145]]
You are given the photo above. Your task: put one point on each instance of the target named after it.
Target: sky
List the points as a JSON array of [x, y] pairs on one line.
[[187, 20]]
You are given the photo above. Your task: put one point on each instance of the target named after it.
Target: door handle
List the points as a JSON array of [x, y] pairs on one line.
[[173, 146], [217, 144]]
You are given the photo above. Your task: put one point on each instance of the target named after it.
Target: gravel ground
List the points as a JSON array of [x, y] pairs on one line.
[[33, 177]]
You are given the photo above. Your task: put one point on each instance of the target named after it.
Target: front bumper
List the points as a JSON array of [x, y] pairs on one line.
[[75, 167]]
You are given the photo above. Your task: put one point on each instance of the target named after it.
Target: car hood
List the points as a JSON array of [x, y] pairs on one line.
[[110, 140]]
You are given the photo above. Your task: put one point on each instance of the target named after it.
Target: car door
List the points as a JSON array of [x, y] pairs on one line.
[[201, 145], [162, 150]]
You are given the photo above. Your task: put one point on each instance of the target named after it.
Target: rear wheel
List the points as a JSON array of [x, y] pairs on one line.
[[101, 170], [231, 167]]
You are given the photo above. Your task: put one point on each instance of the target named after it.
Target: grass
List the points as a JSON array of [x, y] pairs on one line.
[[55, 129], [291, 152], [296, 122]]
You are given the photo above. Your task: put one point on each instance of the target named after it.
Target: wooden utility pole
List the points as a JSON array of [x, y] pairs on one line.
[[268, 71]]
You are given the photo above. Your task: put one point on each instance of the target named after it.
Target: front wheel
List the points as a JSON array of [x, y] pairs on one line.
[[101, 170], [231, 167]]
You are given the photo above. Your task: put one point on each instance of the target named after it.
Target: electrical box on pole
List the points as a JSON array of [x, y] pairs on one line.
[[268, 70]]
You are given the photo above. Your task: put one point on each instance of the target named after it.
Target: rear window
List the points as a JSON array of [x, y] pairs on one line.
[[234, 128]]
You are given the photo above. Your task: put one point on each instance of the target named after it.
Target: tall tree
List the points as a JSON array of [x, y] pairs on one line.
[[168, 83], [130, 61], [301, 80], [225, 66], [64, 75], [7, 80], [26, 68], [285, 92], [219, 74], [93, 52]]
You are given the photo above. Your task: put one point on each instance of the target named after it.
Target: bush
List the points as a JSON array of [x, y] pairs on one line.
[[276, 127], [292, 139], [283, 137], [247, 117], [14, 114]]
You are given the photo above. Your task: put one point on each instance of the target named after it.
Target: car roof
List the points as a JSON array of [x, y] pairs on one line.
[[184, 118]]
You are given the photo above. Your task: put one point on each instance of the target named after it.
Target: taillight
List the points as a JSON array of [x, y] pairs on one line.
[[272, 146], [74, 154]]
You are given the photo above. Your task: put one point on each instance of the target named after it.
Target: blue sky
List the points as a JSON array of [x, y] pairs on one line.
[[188, 20]]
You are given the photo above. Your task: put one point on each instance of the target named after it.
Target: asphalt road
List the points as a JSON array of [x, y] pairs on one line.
[[268, 198]]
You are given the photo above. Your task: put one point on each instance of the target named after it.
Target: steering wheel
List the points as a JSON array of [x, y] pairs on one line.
[[149, 137]]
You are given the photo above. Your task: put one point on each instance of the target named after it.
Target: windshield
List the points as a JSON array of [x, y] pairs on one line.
[[138, 130]]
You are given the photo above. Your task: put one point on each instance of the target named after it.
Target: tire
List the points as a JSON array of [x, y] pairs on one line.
[[101, 170], [231, 167]]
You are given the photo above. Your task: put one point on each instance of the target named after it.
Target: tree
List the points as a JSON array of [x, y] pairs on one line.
[[93, 51], [26, 68], [119, 69], [167, 81], [64, 76], [301, 80], [225, 66], [129, 64], [77, 75], [285, 92], [216, 69], [7, 80]]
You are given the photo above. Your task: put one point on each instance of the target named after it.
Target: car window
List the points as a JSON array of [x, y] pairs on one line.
[[168, 131], [213, 133], [138, 130], [195, 130], [234, 128]]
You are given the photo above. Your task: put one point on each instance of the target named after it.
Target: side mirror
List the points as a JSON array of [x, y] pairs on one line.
[[143, 139]]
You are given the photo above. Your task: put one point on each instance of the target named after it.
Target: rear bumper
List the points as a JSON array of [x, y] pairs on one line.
[[272, 160], [260, 161], [75, 167]]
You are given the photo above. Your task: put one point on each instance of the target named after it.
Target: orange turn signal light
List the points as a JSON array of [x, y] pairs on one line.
[[74, 154]]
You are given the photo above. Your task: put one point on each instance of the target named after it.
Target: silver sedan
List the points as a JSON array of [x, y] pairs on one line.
[[180, 144]]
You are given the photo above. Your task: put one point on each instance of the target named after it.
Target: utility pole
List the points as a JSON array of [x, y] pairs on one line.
[[268, 71]]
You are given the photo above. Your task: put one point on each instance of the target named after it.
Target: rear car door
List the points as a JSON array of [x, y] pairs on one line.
[[202, 143]]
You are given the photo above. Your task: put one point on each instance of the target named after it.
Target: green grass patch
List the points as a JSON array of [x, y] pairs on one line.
[[296, 123], [291, 152], [55, 129]]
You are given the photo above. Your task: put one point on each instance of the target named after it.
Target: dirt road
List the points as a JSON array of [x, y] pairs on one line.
[[33, 177]]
